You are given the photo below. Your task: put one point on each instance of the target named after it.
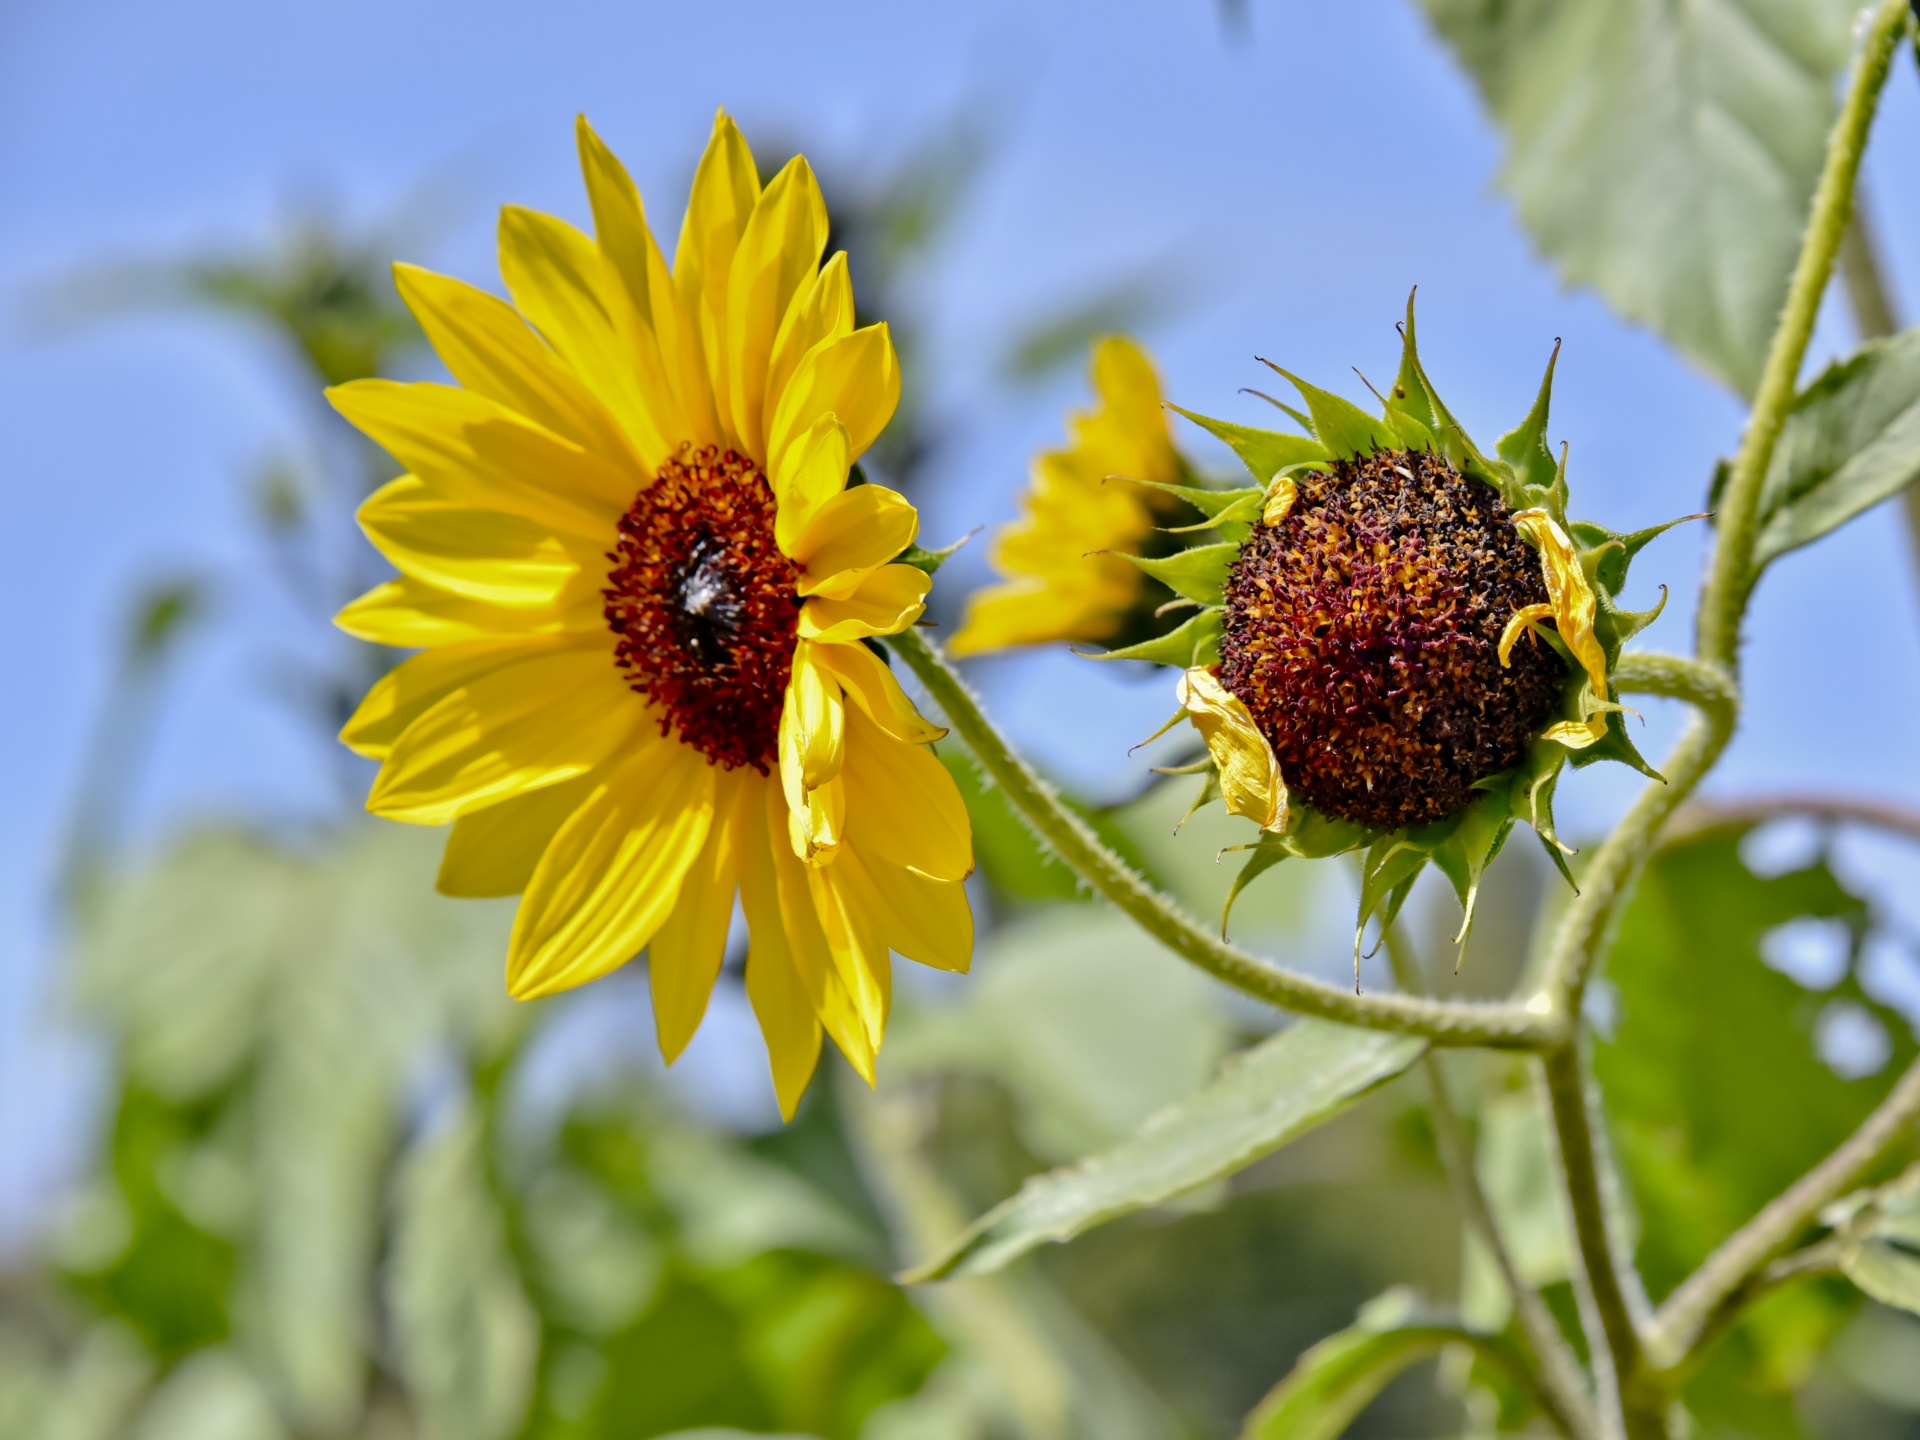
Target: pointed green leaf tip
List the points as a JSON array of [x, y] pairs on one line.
[[1198, 574], [1525, 446], [1343, 427], [1265, 453], [1195, 643]]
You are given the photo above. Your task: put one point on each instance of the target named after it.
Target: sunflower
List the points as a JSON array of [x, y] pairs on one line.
[[1400, 641], [1069, 578], [644, 594]]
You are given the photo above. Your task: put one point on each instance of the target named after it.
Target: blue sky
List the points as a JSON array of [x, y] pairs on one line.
[[1127, 138]]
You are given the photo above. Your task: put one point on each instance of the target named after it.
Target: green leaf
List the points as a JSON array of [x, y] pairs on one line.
[[1338, 1378], [1525, 446], [1339, 424], [1197, 642], [1851, 440], [1264, 1097], [1264, 452], [1664, 154], [1198, 574]]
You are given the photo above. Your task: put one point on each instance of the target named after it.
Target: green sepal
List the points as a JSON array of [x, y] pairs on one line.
[[1197, 642], [1525, 446], [1199, 574], [931, 560], [1211, 503], [1340, 425], [1307, 835], [1392, 864], [1413, 435], [1411, 396], [1305, 422], [1616, 744], [1265, 453], [1474, 837]]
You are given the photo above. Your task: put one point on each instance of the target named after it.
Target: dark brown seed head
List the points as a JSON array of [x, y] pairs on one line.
[[1362, 635], [703, 602]]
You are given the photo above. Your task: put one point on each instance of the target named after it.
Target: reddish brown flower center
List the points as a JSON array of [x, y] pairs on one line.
[[1362, 633], [703, 602]]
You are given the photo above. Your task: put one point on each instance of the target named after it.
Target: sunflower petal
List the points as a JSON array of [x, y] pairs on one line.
[[492, 852], [902, 803], [612, 874], [856, 378], [413, 687], [409, 614], [492, 352], [552, 712], [812, 747], [684, 959], [1250, 782], [725, 187], [855, 532], [815, 473], [558, 280], [925, 920], [778, 255], [861, 961], [885, 602], [466, 447], [870, 685], [824, 313], [780, 999], [484, 555], [1574, 606]]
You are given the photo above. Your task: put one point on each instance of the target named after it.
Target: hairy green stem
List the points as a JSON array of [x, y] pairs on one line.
[[1730, 578], [1683, 1320], [1507, 1027]]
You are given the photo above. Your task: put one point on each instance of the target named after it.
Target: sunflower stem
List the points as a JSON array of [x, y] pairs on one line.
[[1506, 1026], [1731, 574]]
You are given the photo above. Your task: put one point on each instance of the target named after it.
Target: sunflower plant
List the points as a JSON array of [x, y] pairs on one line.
[[657, 610]]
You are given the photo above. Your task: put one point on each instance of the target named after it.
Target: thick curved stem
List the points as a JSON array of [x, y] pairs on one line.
[[1731, 576], [1508, 1026]]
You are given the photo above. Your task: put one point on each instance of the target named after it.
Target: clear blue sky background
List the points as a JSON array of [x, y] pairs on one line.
[[1128, 137]]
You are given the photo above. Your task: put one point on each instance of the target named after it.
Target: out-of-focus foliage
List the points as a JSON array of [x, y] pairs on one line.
[[1663, 154]]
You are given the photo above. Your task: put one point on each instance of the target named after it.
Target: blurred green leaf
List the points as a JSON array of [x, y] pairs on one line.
[[214, 1395], [1063, 338], [1665, 155], [1717, 1092], [1338, 1378], [466, 1335], [1264, 1097], [1851, 440]]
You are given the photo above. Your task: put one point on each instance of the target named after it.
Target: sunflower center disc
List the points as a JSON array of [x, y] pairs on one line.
[[1362, 634], [703, 603]]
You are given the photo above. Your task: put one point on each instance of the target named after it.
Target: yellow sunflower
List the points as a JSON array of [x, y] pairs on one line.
[[1068, 578], [644, 593]]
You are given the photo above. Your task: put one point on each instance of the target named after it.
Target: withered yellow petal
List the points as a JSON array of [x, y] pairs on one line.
[[1250, 781], [1574, 606], [1280, 497], [1517, 625], [612, 874]]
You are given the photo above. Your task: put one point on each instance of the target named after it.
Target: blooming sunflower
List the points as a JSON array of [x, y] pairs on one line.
[[644, 592], [1400, 641], [1066, 558]]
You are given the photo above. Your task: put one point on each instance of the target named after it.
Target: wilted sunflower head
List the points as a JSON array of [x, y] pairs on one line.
[[1066, 560], [1398, 640]]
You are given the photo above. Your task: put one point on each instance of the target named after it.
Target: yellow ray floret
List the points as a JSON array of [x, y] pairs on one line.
[[1066, 578], [1572, 608], [1250, 783], [629, 735]]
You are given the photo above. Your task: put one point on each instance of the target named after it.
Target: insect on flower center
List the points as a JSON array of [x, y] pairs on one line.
[[1362, 634], [702, 602]]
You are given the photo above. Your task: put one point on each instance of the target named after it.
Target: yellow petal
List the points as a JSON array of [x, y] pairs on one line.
[[484, 555], [1250, 781], [885, 602], [868, 682], [861, 962], [902, 803], [415, 686], [612, 874], [925, 920], [468, 448], [1574, 606], [551, 712], [856, 531], [725, 187], [559, 281], [685, 956], [824, 313], [813, 956], [1517, 626], [492, 852], [856, 378], [1280, 497], [409, 614], [812, 749], [490, 350], [777, 258], [780, 999], [1028, 612], [816, 471]]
